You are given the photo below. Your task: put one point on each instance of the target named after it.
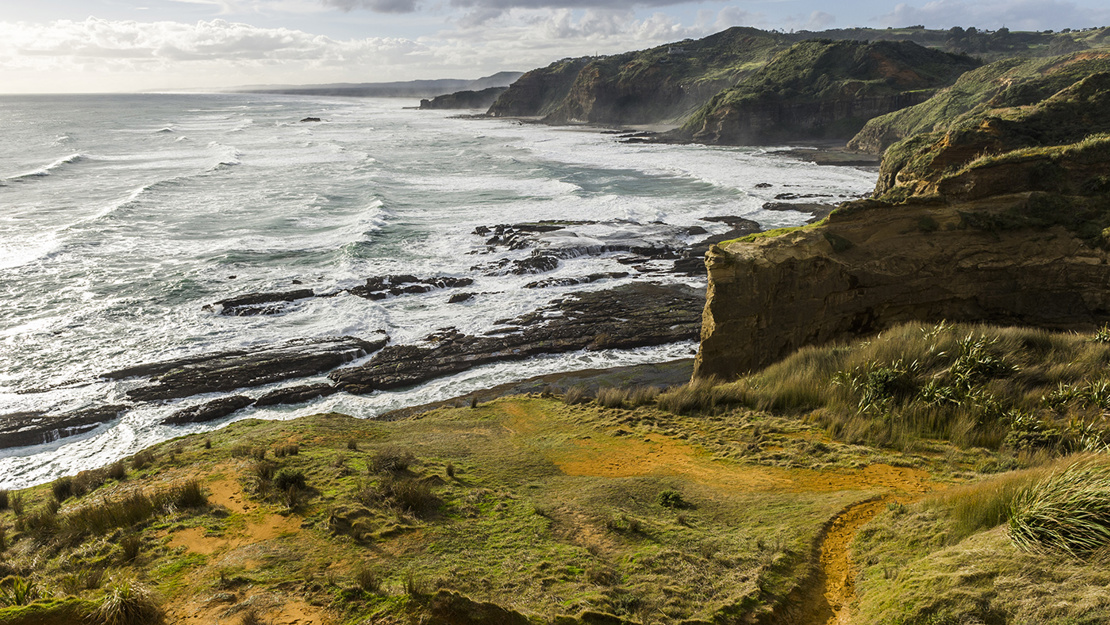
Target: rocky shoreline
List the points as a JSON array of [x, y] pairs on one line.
[[639, 311]]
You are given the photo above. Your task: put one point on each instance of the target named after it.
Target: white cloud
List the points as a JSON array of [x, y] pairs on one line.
[[993, 14]]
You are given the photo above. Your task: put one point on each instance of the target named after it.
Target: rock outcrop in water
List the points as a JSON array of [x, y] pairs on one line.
[[238, 369], [1001, 217], [464, 99], [628, 316]]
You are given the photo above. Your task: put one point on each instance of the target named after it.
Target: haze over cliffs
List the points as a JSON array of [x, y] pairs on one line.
[[998, 215]]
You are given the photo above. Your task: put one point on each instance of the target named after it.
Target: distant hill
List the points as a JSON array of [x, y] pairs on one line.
[[464, 99], [824, 89], [403, 89], [672, 83]]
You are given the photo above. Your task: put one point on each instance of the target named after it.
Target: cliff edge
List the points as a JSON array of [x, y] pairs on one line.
[[1001, 217]]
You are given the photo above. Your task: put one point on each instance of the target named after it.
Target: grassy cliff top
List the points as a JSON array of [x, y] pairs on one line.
[[707, 503]]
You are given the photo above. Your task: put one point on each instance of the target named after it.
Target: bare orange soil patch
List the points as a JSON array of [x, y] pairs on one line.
[[229, 494], [228, 608], [660, 455]]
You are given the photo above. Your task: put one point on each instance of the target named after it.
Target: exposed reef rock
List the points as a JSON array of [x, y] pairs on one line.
[[35, 428], [628, 316], [464, 99], [260, 303], [209, 411], [231, 370], [384, 286], [1002, 218], [823, 90]]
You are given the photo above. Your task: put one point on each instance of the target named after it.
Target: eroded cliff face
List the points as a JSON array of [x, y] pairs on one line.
[[1003, 218], [879, 265]]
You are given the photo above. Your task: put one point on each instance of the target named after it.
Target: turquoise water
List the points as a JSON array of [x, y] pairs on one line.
[[121, 217]]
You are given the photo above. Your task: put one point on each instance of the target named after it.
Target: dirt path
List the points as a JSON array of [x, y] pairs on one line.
[[827, 599]]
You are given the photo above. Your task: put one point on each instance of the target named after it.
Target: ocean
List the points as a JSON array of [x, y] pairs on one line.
[[123, 216]]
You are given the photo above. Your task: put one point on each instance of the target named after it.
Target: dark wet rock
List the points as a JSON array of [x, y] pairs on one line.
[[260, 303], [537, 263], [210, 411], [696, 230], [693, 263], [230, 370], [800, 196], [628, 316], [21, 429], [593, 277], [310, 119], [295, 394], [817, 211], [401, 284], [763, 185], [458, 298]]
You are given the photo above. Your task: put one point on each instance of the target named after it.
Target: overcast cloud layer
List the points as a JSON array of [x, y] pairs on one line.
[[239, 42]]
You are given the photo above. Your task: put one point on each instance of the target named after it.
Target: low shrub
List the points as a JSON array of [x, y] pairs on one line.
[[1069, 511], [672, 499]]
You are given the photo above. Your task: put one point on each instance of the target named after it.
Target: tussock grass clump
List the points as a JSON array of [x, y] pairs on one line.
[[390, 460], [1069, 511], [249, 451], [127, 602], [292, 449], [985, 504], [643, 395], [405, 493], [142, 460], [15, 502], [289, 478], [62, 488], [188, 494], [117, 470], [612, 397], [3, 499], [130, 545], [1022, 389], [576, 395], [367, 579], [16, 590]]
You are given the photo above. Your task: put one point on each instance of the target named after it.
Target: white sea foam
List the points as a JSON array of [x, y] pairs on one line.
[[48, 169], [114, 266]]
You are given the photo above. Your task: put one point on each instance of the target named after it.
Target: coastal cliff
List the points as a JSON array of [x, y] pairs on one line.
[[823, 89], [658, 84], [1000, 218]]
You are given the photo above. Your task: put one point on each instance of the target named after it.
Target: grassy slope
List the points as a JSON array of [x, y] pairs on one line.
[[557, 510], [824, 70], [989, 90]]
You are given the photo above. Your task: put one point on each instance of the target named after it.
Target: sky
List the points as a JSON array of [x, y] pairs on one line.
[[85, 46]]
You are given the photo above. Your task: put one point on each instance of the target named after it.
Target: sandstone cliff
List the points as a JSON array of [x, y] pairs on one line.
[[1003, 218]]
